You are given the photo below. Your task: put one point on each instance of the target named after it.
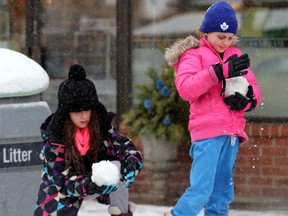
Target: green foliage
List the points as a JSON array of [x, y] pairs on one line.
[[159, 111]]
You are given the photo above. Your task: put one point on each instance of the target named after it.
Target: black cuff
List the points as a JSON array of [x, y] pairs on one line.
[[219, 72]]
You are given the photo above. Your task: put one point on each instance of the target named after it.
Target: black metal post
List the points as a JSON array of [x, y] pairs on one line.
[[33, 29], [123, 59], [29, 27]]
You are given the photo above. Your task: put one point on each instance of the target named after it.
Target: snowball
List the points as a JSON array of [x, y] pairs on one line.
[[104, 173], [236, 84]]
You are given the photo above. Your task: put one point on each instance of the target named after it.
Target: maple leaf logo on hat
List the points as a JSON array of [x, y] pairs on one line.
[[224, 26]]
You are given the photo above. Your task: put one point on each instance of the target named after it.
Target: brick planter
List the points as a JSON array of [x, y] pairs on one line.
[[159, 160]]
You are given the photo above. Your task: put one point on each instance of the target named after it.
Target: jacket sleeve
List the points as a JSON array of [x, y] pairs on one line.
[[123, 148], [192, 80], [55, 173]]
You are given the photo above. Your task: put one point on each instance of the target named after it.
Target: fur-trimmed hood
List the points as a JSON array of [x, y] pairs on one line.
[[174, 52]]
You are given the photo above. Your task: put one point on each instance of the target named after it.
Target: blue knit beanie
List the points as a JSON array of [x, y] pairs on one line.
[[220, 17]]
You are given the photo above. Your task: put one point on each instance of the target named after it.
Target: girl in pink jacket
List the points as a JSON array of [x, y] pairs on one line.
[[216, 123]]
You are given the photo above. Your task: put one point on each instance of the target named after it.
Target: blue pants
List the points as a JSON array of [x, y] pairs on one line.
[[211, 180]]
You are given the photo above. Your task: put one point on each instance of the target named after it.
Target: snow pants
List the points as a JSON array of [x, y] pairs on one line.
[[211, 177], [120, 197]]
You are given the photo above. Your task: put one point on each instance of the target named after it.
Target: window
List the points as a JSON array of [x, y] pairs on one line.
[[79, 32], [262, 31]]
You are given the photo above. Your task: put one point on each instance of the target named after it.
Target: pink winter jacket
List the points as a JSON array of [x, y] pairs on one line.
[[197, 83]]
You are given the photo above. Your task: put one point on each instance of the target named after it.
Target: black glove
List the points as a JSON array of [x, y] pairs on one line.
[[129, 167], [235, 66], [92, 188], [239, 102], [236, 101], [251, 97]]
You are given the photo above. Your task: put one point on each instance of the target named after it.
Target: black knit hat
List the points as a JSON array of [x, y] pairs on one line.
[[77, 93]]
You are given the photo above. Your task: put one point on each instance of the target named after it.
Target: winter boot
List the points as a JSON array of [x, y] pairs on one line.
[[169, 213], [115, 211]]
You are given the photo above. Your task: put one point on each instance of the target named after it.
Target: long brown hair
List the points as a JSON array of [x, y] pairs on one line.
[[72, 156]]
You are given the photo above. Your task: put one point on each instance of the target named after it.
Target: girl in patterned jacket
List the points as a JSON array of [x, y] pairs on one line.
[[216, 121], [77, 135]]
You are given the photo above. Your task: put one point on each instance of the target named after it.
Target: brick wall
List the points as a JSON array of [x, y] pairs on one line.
[[261, 172]]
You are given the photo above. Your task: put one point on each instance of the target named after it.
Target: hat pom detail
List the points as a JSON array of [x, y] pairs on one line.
[[76, 72], [77, 93]]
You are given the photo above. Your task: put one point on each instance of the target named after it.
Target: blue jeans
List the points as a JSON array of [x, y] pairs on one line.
[[211, 177]]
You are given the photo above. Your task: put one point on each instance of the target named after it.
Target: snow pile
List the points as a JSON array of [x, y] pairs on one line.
[[104, 173], [92, 207], [236, 84], [20, 75]]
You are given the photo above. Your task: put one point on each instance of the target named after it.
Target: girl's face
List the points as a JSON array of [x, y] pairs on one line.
[[80, 119], [220, 41]]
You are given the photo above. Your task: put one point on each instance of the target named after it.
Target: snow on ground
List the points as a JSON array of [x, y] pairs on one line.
[[92, 208]]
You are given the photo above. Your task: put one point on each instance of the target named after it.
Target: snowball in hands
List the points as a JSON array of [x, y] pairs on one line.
[[236, 84], [104, 173]]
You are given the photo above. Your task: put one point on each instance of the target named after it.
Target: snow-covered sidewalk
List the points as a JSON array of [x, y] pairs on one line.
[[92, 208]]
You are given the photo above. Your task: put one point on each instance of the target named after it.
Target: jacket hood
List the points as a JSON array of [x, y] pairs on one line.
[[174, 52]]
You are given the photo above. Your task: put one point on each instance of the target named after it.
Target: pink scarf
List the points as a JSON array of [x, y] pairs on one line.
[[82, 140]]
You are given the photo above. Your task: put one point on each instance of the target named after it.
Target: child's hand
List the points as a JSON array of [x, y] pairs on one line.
[[129, 177], [129, 168], [240, 102], [236, 101], [236, 65]]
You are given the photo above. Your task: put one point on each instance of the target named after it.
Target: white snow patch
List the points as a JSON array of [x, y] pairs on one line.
[[26, 105], [93, 208], [104, 173], [236, 84], [20, 75]]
